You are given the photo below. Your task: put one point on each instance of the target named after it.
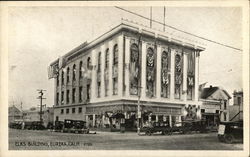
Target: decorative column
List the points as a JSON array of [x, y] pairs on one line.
[[185, 66], [158, 72], [156, 118], [111, 51], [93, 120], [172, 71], [93, 82], [143, 70], [103, 53], [127, 59], [120, 65], [196, 80]]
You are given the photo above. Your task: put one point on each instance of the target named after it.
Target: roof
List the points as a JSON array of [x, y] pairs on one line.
[[207, 92], [134, 27]]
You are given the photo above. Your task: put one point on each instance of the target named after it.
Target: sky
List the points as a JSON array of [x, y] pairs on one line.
[[39, 35]]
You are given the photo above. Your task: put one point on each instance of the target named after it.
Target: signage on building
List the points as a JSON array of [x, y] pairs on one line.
[[210, 110]]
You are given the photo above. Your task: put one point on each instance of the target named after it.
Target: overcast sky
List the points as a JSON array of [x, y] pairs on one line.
[[39, 35]]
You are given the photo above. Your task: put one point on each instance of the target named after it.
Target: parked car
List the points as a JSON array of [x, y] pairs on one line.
[[230, 132], [75, 126], [162, 127], [58, 127]]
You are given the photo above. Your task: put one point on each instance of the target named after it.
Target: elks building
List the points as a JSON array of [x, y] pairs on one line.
[[102, 82]]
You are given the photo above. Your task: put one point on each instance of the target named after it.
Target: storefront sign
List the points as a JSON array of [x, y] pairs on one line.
[[210, 110]]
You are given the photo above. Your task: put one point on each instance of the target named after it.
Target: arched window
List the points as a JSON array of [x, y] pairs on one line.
[[134, 69], [178, 75], [74, 72], [99, 62], [115, 55], [107, 59], [89, 63], [62, 76], [81, 70], [115, 70], [150, 70], [68, 74], [165, 75]]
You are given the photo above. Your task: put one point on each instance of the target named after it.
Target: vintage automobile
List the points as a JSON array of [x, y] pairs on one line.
[[179, 127], [75, 126], [230, 132], [15, 125], [162, 127], [58, 127], [37, 125]]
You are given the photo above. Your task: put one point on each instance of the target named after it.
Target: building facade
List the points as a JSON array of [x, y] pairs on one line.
[[102, 82], [33, 114], [14, 114], [215, 105], [236, 110]]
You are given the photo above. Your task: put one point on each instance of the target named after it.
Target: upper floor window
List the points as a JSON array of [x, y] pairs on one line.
[[165, 75], [89, 63], [81, 70], [62, 76], [57, 80], [99, 62], [67, 97], [150, 73], [57, 98], [115, 86], [80, 94], [62, 97], [74, 72], [225, 104], [107, 59], [88, 91], [68, 70], [98, 89], [73, 95], [115, 55], [134, 69]]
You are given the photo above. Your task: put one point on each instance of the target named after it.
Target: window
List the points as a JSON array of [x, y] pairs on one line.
[[67, 111], [62, 98], [165, 75], [62, 110], [57, 80], [150, 73], [225, 104], [57, 98], [62, 76], [225, 116], [107, 59], [74, 72], [88, 91], [79, 110], [68, 70], [134, 69], [89, 63], [73, 110], [67, 97], [99, 62], [80, 94], [81, 70], [239, 100], [98, 89], [178, 76], [115, 83], [115, 55], [106, 87], [191, 75], [73, 95]]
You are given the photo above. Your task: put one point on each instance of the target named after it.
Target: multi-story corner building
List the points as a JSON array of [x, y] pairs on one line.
[[236, 110], [103, 81], [14, 114]]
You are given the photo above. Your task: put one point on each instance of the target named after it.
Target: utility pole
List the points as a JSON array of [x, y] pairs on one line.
[[40, 91]]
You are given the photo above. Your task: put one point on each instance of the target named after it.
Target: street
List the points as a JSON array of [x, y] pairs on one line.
[[47, 140]]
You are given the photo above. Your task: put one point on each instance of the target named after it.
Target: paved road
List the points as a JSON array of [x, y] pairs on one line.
[[46, 140]]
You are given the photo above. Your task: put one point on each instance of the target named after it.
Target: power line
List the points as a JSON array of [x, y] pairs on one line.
[[203, 38]]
